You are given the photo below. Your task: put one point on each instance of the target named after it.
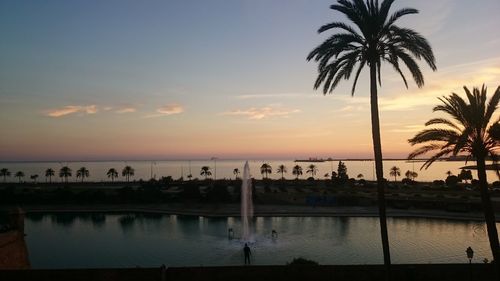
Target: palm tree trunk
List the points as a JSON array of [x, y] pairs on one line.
[[489, 214], [377, 150]]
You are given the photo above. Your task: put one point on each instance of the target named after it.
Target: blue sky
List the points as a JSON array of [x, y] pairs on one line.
[[184, 79]]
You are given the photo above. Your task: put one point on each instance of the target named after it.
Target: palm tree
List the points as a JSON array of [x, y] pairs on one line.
[[82, 173], [468, 132], [34, 177], [411, 175], [376, 39], [311, 169], [205, 171], [112, 173], [236, 172], [265, 169], [281, 170], [49, 173], [4, 172], [128, 172], [395, 172], [449, 173], [297, 171], [19, 175], [189, 176], [65, 172]]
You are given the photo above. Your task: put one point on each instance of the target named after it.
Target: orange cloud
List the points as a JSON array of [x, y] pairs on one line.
[[261, 113], [72, 109]]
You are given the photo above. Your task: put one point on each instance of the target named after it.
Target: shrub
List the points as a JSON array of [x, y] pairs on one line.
[[302, 261]]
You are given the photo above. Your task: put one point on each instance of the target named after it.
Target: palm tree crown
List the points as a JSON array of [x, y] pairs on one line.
[[112, 173], [128, 172], [377, 39], [311, 169], [265, 169], [236, 172], [82, 173], [297, 171], [205, 171], [4, 172], [19, 175], [395, 172], [49, 173], [281, 170], [65, 172], [469, 131]]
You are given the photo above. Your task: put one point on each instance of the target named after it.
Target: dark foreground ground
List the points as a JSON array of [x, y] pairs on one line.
[[418, 272]]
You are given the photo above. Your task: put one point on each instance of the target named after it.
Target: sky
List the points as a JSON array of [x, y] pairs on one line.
[[187, 79]]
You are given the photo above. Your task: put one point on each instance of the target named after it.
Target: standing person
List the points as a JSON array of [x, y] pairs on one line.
[[248, 253]]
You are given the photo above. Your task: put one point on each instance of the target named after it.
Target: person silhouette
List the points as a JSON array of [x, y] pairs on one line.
[[248, 253]]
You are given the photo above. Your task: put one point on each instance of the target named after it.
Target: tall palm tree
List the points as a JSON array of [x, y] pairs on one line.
[[281, 170], [236, 172], [19, 175], [297, 171], [128, 172], [4, 172], [265, 169], [112, 173], [49, 173], [205, 171], [312, 169], [65, 172], [82, 173], [395, 172], [467, 131], [377, 39]]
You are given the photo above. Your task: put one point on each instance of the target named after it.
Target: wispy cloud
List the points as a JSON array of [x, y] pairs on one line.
[[272, 95], [258, 113], [127, 109], [71, 109], [168, 109], [408, 129]]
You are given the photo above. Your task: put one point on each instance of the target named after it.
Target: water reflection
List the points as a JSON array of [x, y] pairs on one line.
[[63, 219]]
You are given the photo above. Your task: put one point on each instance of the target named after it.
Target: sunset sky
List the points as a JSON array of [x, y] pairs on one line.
[[106, 80]]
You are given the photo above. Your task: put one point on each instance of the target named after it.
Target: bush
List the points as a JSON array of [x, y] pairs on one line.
[[452, 181], [302, 261]]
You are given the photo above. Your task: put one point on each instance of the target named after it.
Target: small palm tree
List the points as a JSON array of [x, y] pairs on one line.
[[395, 172], [236, 172], [19, 175], [112, 173], [411, 175], [469, 131], [4, 172], [375, 39], [65, 172], [265, 169], [82, 173], [49, 173], [297, 171], [449, 173], [281, 170], [34, 177], [312, 169], [205, 171], [360, 176], [128, 172]]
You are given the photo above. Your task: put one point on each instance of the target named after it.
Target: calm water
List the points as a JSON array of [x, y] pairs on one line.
[[176, 169], [114, 240]]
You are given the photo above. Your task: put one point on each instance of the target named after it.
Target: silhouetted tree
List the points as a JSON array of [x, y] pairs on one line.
[[112, 173], [395, 172], [49, 173], [281, 170], [467, 131], [377, 39], [265, 169], [465, 175], [205, 171], [312, 169], [360, 176], [411, 175], [128, 172], [236, 172], [342, 172], [297, 171], [4, 172], [82, 173], [19, 175], [65, 172], [34, 177]]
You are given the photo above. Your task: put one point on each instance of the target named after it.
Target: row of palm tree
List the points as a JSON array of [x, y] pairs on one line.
[[66, 172]]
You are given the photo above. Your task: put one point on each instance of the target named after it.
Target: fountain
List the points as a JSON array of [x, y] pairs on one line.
[[246, 203]]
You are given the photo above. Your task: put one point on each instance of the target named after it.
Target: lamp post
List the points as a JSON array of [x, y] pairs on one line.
[[470, 255]]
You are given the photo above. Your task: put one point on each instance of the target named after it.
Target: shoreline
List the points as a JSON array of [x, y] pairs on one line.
[[233, 210]]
